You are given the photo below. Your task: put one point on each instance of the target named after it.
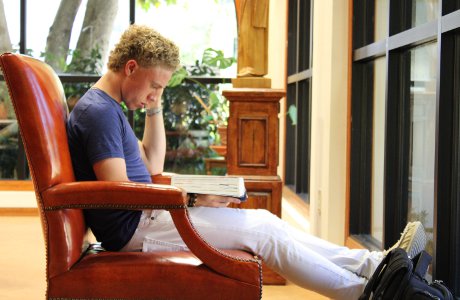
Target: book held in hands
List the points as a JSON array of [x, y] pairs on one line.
[[232, 186]]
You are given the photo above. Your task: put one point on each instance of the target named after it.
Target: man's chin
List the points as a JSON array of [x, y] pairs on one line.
[[133, 108]]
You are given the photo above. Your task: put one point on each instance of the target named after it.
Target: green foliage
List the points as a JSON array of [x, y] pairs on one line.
[[60, 62], [85, 64], [8, 158], [190, 105], [8, 150], [81, 65], [292, 113], [8, 135], [145, 4], [178, 77], [216, 58]]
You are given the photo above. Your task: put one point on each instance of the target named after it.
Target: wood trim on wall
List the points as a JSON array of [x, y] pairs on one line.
[[348, 154], [16, 185], [20, 186], [18, 211], [351, 243]]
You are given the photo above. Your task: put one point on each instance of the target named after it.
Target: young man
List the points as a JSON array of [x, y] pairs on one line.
[[104, 147]]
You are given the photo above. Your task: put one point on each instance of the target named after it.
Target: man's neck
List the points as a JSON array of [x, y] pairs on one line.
[[110, 83]]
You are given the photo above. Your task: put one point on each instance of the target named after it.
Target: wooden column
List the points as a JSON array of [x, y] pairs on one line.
[[253, 131], [253, 150]]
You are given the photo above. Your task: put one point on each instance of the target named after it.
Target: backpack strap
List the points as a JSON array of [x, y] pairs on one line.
[[379, 273], [374, 280], [421, 263]]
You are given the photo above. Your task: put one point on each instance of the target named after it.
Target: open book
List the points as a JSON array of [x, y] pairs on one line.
[[232, 186]]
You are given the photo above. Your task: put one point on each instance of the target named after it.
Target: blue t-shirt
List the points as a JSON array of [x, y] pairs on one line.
[[97, 129]]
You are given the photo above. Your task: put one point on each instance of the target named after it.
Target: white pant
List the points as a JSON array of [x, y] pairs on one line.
[[334, 271]]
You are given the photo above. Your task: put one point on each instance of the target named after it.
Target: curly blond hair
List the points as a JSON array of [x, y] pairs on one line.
[[146, 46]]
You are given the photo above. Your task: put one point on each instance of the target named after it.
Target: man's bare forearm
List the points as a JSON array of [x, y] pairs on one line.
[[153, 143]]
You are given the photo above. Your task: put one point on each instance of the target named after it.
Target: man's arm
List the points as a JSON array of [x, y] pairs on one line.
[[153, 144], [111, 169]]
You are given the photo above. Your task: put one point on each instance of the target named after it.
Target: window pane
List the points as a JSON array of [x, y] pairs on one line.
[[8, 124], [378, 147], [424, 11], [292, 38], [304, 31], [191, 138], [195, 26], [290, 150], [38, 25], [381, 19], [82, 35], [8, 136], [12, 15], [422, 137]]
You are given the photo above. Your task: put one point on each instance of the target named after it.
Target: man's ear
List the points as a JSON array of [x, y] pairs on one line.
[[130, 66]]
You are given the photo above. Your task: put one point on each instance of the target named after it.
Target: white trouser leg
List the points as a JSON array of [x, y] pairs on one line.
[[305, 260]]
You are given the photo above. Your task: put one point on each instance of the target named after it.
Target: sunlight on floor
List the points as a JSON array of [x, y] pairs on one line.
[[300, 220]]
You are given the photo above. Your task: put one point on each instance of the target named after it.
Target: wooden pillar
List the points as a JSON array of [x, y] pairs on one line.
[[253, 150]]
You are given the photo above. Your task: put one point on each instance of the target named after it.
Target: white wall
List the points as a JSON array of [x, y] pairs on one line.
[[277, 63], [329, 120], [329, 109], [277, 43], [17, 199]]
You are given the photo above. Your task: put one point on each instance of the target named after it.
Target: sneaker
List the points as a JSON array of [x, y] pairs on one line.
[[413, 239]]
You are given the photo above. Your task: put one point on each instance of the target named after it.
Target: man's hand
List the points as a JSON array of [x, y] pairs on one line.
[[215, 200]]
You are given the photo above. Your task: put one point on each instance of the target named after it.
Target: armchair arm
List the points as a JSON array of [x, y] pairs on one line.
[[163, 178], [131, 195], [113, 194]]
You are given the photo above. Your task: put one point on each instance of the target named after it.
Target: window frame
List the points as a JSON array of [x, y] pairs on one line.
[[299, 86], [446, 32]]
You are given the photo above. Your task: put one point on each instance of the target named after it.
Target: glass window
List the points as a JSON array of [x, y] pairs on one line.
[[404, 135], [84, 50], [8, 125], [195, 26], [38, 25], [8, 135], [12, 16], [298, 98], [422, 137], [424, 11], [84, 34], [381, 20], [378, 146]]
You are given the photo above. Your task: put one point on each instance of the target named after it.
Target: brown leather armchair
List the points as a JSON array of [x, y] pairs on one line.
[[71, 270]]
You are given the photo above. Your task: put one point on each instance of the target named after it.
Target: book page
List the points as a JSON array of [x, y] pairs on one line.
[[209, 184]]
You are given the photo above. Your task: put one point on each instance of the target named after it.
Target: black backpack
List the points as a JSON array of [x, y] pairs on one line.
[[398, 277]]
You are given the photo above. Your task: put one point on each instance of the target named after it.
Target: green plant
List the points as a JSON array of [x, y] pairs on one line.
[[145, 4], [292, 113], [191, 105], [202, 106], [85, 65], [8, 150], [81, 65]]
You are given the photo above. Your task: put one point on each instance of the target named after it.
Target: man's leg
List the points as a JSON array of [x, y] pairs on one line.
[[303, 259]]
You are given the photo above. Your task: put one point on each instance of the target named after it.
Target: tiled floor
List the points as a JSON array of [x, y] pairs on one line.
[[22, 260]]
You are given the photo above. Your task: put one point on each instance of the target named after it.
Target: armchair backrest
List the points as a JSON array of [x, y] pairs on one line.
[[41, 110]]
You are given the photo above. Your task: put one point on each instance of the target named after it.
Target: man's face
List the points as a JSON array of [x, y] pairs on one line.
[[143, 87]]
